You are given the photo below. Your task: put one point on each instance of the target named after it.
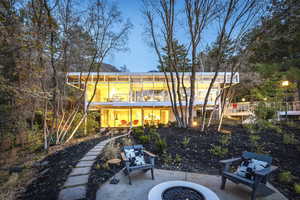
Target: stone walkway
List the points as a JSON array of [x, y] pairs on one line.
[[142, 183], [75, 186]]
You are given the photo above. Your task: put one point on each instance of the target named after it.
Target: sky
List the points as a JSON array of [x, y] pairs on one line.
[[141, 57]]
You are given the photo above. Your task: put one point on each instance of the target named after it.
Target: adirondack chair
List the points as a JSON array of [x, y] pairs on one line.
[[130, 166], [260, 177]]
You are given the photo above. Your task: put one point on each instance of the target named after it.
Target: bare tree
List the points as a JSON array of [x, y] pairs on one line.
[[235, 18], [101, 23], [164, 13], [198, 14]]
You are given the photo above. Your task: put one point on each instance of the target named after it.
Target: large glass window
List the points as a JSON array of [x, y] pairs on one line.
[[111, 117], [100, 94], [119, 92], [151, 116], [136, 117], [165, 116], [115, 118]]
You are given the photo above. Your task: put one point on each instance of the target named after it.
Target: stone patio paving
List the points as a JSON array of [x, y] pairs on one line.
[[142, 183]]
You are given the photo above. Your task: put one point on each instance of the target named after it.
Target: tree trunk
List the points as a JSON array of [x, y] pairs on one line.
[[45, 124]]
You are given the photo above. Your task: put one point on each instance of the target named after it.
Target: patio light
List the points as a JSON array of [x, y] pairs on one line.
[[243, 99], [285, 83]]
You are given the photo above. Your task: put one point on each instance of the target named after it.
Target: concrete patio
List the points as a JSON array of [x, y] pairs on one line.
[[142, 183]]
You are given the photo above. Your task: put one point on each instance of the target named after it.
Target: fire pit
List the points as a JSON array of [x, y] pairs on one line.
[[181, 190], [182, 193]]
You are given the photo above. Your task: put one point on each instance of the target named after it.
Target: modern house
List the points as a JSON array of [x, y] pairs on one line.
[[127, 99]]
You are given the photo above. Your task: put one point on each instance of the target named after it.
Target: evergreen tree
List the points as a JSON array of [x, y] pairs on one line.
[[179, 57]]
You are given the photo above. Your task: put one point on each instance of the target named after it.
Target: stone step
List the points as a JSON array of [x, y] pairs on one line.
[[85, 164], [76, 180], [88, 158], [75, 186], [97, 150], [73, 193], [92, 153], [80, 171]]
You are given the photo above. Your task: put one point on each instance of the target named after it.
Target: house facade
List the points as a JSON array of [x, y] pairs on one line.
[[126, 99]]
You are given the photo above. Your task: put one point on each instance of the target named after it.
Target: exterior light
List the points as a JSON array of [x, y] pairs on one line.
[[243, 99], [285, 83], [194, 123], [265, 99]]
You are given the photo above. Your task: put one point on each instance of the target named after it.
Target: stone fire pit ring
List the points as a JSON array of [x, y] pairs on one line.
[[157, 191]]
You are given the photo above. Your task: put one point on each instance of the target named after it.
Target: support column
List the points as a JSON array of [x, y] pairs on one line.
[[85, 125], [85, 112], [142, 116], [130, 116]]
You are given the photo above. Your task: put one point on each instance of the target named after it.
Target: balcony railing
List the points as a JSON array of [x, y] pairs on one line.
[[247, 108]]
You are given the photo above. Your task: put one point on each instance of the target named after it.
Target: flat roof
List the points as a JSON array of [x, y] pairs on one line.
[[144, 73]]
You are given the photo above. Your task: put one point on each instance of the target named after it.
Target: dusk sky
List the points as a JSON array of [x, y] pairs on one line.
[[140, 57]]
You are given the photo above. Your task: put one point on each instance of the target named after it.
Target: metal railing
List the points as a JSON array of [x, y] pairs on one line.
[[249, 107]]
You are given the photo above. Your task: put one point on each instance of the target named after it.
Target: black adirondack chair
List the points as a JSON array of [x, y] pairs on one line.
[[129, 167], [260, 177]]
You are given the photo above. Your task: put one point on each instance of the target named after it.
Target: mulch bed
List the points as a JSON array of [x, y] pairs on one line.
[[196, 157], [99, 175], [54, 170], [101, 172]]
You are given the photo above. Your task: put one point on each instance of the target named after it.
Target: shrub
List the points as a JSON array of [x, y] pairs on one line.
[[126, 141], [264, 112], [267, 125], [144, 139], [288, 139], [35, 140], [285, 177], [186, 141], [154, 135], [160, 125], [138, 131], [218, 150], [167, 159], [111, 151], [297, 188], [92, 124], [254, 139], [225, 139], [161, 145], [251, 127], [177, 158]]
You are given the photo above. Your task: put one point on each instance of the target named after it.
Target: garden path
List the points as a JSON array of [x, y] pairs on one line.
[[75, 186]]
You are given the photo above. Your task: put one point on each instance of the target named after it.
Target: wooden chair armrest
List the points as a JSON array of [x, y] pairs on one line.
[[231, 160], [150, 154], [124, 157], [266, 171]]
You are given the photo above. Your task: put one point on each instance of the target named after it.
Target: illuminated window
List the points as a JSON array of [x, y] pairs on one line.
[[136, 117], [115, 118]]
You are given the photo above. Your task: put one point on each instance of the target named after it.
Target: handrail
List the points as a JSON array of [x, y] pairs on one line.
[[250, 106]]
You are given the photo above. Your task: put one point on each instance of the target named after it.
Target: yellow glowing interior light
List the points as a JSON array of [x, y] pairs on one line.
[[285, 83], [243, 99], [194, 123]]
